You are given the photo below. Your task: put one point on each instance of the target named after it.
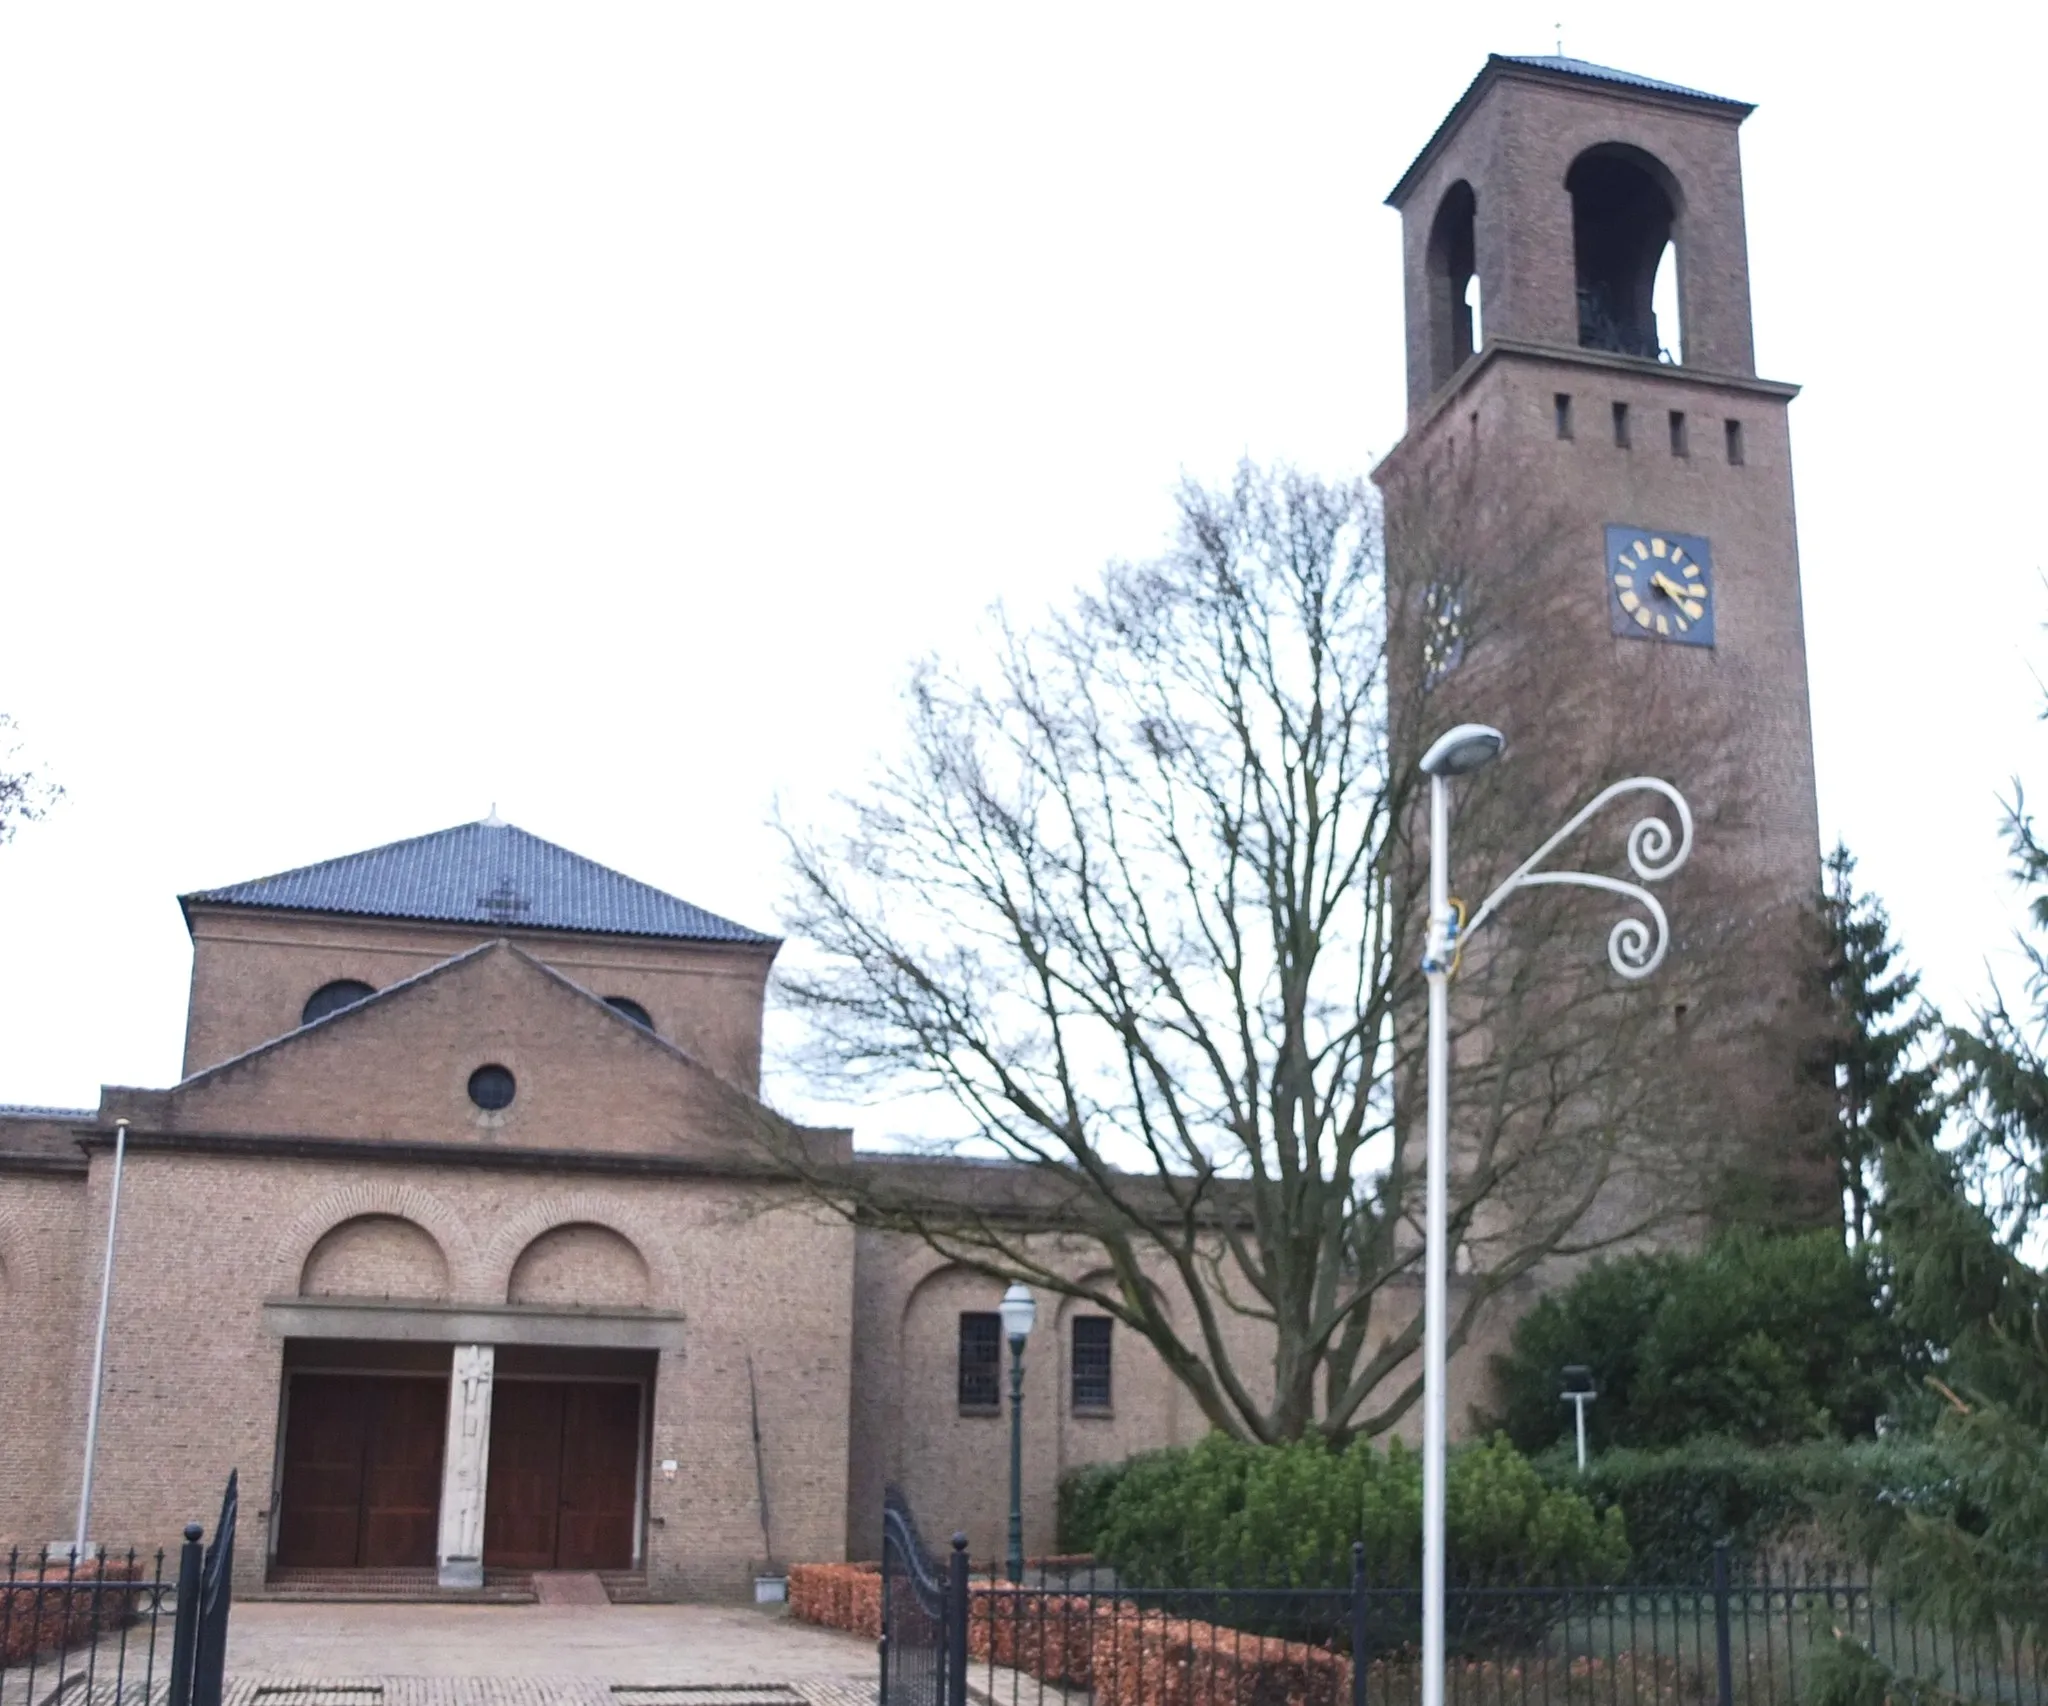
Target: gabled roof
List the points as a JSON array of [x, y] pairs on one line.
[[1545, 66], [489, 873]]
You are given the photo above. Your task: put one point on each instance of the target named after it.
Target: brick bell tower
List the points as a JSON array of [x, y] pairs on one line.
[[1591, 543]]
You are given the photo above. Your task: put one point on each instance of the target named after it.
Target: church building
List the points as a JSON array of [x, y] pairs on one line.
[[457, 1237]]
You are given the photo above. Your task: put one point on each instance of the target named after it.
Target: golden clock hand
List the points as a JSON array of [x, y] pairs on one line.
[[1672, 588]]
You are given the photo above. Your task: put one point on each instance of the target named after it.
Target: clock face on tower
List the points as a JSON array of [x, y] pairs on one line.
[[1660, 586]]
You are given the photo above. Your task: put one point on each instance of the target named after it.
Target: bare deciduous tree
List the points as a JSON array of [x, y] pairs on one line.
[[25, 795], [1142, 903]]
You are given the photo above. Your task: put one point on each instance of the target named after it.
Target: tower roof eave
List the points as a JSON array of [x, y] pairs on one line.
[[1558, 69]]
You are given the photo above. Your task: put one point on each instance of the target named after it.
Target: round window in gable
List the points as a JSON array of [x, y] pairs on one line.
[[333, 997], [492, 1088], [626, 1007]]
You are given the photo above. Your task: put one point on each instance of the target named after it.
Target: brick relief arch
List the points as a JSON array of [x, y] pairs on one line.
[[376, 1198], [21, 1274], [512, 1237]]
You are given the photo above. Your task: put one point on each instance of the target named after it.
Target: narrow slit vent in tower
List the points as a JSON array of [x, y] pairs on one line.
[[1564, 414], [1679, 443], [1735, 444], [1621, 426]]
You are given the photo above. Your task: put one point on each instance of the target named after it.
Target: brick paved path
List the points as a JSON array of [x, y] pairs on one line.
[[283, 1654]]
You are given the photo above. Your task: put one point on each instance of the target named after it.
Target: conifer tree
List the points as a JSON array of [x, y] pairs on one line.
[[1882, 1053]]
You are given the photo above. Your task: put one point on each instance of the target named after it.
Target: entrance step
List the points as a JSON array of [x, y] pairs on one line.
[[501, 1587], [569, 1587], [629, 1587]]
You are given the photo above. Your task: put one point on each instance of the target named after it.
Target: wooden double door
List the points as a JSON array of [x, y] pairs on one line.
[[563, 1483], [362, 1470]]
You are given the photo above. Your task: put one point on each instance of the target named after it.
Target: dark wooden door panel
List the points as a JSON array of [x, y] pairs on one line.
[[402, 1472], [600, 1473], [523, 1484], [321, 1522]]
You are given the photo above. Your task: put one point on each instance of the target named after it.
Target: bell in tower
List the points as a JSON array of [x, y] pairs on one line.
[[1591, 545]]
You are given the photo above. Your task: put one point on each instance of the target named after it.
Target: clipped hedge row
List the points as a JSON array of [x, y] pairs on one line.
[[1678, 1502], [838, 1596], [66, 1607]]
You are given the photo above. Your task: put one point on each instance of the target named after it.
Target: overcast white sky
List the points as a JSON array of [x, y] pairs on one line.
[[593, 409]]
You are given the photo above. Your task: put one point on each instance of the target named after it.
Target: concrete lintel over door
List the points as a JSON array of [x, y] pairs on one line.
[[473, 1323]]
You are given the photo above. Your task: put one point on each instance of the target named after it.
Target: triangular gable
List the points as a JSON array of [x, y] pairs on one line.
[[398, 1065]]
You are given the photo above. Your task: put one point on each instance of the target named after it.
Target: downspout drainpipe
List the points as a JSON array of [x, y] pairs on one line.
[[99, 1348]]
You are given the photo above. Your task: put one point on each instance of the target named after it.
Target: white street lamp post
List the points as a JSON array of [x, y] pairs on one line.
[[1634, 949]]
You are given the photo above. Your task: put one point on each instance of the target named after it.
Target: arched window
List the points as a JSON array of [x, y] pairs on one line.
[[1452, 268], [627, 1008], [1624, 219], [333, 997]]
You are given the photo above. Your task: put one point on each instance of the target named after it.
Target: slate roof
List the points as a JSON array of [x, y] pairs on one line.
[[26, 1111], [488, 873], [1608, 74]]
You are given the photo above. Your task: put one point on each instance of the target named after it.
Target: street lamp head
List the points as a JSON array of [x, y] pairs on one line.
[[1019, 1310], [1577, 1378], [1462, 750]]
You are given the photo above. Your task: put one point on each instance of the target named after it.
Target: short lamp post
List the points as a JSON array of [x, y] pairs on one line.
[[1019, 1311], [1634, 949], [1579, 1392]]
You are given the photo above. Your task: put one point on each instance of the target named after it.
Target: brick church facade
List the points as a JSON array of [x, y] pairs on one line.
[[457, 1239]]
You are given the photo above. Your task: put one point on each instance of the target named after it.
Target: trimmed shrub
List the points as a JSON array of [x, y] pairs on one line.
[[1083, 1497], [66, 1607], [1767, 1340], [1677, 1503], [838, 1596], [1155, 1661], [1226, 1513]]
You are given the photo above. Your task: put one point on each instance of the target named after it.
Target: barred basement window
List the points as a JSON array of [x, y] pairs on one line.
[[981, 1361], [1091, 1362]]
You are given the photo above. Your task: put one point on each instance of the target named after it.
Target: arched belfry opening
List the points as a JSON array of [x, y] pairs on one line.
[[1624, 222], [1454, 317]]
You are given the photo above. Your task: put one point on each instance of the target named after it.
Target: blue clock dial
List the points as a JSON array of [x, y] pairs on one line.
[[1660, 586]]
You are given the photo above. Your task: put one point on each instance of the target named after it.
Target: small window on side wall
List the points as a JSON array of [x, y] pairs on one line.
[[1735, 457], [981, 1362], [1090, 1382]]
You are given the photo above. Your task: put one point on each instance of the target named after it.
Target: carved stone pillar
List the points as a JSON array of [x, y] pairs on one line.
[[465, 1465]]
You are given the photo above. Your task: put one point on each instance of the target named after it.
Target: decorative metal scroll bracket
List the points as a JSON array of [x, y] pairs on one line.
[[1635, 947]]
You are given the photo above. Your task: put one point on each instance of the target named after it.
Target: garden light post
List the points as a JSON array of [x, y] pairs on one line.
[[1019, 1310], [1634, 949], [1578, 1392]]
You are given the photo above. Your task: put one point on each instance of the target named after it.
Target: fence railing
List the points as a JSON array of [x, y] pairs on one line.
[[1752, 1635], [88, 1629]]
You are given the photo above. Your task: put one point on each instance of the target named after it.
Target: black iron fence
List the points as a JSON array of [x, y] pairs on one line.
[[1754, 1634], [112, 1628], [924, 1621]]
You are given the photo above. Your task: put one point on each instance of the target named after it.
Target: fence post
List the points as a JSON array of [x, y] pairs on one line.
[[1724, 1659], [185, 1623], [1358, 1623], [210, 1648], [882, 1646], [956, 1625]]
